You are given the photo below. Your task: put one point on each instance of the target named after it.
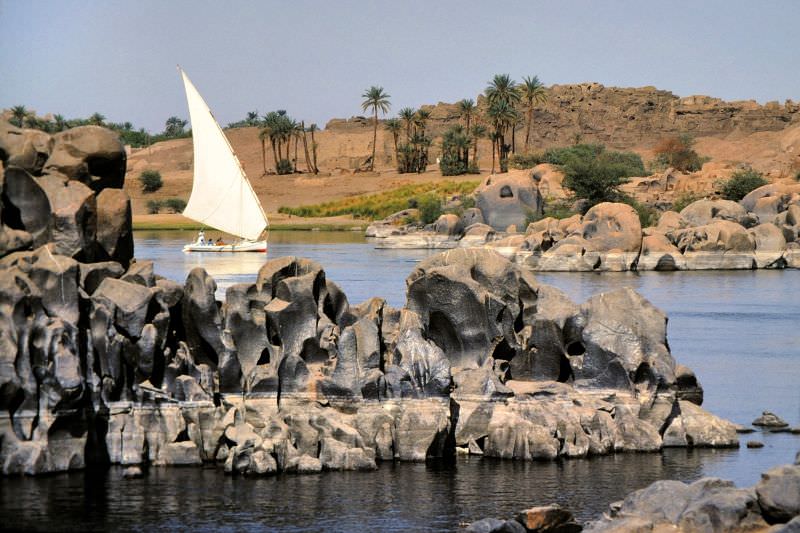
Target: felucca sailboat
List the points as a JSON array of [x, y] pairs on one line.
[[222, 197]]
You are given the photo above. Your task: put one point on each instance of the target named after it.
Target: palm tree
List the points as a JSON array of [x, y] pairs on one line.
[[305, 146], [502, 87], [97, 119], [479, 131], [421, 120], [394, 126], [466, 108], [252, 118], [502, 115], [311, 129], [533, 92], [263, 134], [377, 100], [407, 115], [174, 126], [19, 113], [61, 122]]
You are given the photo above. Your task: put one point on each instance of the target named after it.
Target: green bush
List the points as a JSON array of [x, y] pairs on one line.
[[452, 165], [468, 202], [285, 167], [596, 175], [523, 161], [176, 205], [154, 206], [151, 180], [558, 209], [741, 183], [680, 203], [430, 208], [559, 156]]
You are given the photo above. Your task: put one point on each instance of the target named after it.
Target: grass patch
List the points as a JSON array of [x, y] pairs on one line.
[[383, 204]]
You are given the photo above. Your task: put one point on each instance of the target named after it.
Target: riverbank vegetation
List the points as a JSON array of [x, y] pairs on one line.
[[381, 205]]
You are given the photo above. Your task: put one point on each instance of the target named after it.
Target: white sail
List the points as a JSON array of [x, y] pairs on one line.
[[222, 197]]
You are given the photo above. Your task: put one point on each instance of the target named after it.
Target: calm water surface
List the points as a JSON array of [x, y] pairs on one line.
[[739, 331]]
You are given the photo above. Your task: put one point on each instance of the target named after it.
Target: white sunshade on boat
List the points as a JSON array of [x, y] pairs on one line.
[[222, 197]]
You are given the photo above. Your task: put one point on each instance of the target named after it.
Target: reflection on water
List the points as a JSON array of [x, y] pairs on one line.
[[398, 497]]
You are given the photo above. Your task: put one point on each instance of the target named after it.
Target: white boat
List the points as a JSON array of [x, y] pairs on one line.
[[222, 197]]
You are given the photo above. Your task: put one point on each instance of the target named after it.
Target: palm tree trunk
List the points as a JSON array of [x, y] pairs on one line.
[[374, 141], [494, 142], [264, 155], [314, 152], [528, 128], [513, 139], [396, 154], [305, 147], [296, 140], [275, 154]]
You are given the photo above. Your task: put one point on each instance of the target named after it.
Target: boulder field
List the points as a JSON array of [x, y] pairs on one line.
[[761, 231], [104, 362]]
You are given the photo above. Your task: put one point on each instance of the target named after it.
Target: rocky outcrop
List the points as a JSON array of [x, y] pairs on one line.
[[106, 364], [65, 189]]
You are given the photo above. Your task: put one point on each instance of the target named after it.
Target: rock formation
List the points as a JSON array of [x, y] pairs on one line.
[[102, 361]]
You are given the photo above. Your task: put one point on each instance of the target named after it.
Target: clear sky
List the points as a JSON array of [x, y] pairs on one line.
[[316, 58]]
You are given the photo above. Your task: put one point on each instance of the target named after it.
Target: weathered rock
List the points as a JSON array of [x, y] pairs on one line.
[[92, 274], [508, 199], [552, 518], [27, 149], [26, 206], [779, 493], [448, 224], [770, 420], [114, 235], [201, 317], [703, 212], [74, 214], [127, 301], [90, 154], [658, 253]]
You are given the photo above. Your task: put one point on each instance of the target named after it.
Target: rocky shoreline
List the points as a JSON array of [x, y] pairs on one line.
[[104, 362], [709, 504], [761, 231]]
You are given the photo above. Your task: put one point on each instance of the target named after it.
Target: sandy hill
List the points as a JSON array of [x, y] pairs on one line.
[[764, 136]]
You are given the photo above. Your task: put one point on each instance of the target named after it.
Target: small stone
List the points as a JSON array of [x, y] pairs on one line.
[[755, 444], [547, 518], [744, 430], [769, 420], [795, 430], [132, 472]]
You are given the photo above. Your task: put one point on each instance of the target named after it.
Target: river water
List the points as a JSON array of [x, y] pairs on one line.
[[739, 331]]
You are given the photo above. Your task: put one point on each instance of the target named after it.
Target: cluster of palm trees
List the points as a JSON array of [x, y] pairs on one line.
[[281, 129], [508, 105]]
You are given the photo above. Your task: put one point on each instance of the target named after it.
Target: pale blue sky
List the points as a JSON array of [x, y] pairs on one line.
[[315, 58]]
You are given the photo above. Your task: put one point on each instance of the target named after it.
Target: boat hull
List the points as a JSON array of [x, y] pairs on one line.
[[243, 246]]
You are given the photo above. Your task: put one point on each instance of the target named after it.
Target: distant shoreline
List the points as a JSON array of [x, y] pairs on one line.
[[278, 222]]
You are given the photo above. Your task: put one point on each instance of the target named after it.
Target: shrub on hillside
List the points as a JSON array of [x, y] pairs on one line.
[[452, 165], [430, 208], [648, 216], [596, 175], [677, 152], [154, 206], [741, 183], [151, 180], [176, 205]]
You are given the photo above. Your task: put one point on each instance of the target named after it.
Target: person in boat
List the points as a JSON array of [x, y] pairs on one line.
[[219, 241], [201, 238]]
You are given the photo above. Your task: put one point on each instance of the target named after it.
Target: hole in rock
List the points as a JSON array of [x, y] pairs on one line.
[[506, 192], [264, 358], [565, 373], [443, 334], [183, 436], [576, 348], [504, 351]]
